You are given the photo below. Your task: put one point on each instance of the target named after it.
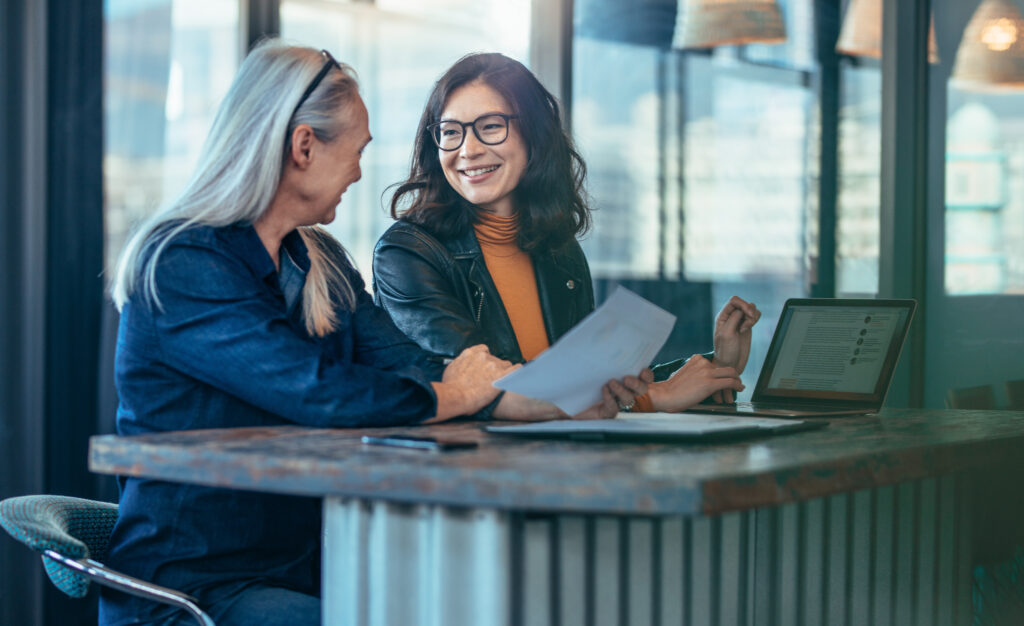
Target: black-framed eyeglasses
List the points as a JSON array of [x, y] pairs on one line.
[[329, 62], [490, 129]]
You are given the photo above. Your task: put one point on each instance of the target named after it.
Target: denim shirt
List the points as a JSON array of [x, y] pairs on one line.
[[226, 348]]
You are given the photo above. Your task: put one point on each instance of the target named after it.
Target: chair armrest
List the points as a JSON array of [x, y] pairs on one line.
[[103, 575]]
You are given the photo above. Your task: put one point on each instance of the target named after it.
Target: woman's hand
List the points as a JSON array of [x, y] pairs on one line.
[[514, 406], [733, 332], [732, 338], [467, 384], [614, 395], [618, 396], [691, 383]]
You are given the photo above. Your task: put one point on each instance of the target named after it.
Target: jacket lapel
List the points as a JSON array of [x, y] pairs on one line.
[[486, 304], [558, 288]]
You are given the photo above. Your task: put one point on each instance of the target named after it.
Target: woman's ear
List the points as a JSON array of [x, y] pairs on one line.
[[302, 144]]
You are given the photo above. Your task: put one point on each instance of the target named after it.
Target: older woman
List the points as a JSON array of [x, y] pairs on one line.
[[485, 248], [237, 311]]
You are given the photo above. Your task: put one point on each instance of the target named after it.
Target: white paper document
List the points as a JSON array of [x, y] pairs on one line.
[[618, 339]]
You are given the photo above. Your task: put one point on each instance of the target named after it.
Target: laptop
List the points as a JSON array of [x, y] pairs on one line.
[[828, 357]]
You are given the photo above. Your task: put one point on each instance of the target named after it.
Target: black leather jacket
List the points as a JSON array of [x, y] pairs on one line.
[[441, 295]]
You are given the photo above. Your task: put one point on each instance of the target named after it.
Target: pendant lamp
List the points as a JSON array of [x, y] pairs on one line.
[[991, 53], [710, 23], [861, 33]]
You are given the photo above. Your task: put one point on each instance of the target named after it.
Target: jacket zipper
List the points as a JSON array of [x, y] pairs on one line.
[[480, 307]]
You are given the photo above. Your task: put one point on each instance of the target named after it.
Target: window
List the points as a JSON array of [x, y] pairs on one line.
[[984, 192], [168, 65], [399, 49], [859, 191], [702, 166]]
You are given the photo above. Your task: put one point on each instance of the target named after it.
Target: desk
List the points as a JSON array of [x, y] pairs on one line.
[[872, 520]]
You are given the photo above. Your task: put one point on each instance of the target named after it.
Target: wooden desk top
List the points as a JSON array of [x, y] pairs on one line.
[[565, 476]]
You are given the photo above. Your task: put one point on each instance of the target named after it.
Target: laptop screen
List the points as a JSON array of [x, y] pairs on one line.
[[844, 350]]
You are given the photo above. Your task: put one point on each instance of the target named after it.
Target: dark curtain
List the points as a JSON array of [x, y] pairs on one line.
[[51, 242]]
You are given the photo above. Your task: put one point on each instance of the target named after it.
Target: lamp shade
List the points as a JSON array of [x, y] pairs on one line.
[[991, 53], [640, 22], [710, 23], [861, 33]]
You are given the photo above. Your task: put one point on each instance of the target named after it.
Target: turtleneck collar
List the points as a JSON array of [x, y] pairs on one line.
[[496, 230]]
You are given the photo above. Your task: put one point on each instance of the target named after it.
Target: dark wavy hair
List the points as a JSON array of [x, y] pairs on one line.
[[549, 196]]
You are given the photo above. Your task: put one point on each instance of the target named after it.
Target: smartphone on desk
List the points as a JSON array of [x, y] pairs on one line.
[[416, 442]]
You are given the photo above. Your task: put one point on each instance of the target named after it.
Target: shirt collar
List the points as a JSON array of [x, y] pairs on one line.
[[247, 243]]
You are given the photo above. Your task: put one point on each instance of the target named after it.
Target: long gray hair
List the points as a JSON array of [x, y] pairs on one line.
[[240, 167]]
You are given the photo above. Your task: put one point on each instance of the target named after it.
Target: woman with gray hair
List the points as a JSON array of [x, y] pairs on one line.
[[237, 310]]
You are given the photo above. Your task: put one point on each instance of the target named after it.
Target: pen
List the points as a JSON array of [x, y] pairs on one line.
[[440, 360]]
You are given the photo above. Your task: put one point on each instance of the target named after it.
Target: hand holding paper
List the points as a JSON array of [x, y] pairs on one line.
[[620, 338]]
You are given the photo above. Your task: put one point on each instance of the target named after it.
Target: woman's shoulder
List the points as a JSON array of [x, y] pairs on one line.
[[571, 252], [180, 232], [184, 247], [410, 236]]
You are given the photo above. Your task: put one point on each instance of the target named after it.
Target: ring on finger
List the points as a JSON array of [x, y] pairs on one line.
[[626, 408]]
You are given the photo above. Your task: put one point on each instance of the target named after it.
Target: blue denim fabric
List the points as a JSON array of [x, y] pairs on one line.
[[244, 605], [226, 350]]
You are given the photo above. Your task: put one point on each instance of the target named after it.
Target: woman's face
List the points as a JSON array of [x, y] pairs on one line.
[[338, 165], [484, 175]]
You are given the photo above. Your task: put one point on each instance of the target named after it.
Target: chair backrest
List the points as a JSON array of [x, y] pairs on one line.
[[1015, 395], [980, 397], [73, 535], [71, 526]]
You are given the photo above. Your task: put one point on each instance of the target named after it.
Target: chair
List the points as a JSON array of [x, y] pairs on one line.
[[980, 397], [1015, 395], [997, 593], [70, 533]]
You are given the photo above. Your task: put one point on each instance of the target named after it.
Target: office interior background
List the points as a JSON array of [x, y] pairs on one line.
[[768, 170]]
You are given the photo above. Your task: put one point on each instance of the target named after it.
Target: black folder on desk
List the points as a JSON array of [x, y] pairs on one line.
[[660, 427]]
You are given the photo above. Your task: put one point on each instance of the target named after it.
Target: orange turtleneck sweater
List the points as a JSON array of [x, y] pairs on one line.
[[511, 269]]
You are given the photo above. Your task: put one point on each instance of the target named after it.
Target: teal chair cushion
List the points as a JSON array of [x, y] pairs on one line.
[[73, 527]]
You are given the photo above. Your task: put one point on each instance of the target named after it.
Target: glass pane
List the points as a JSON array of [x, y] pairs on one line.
[[702, 168], [984, 177], [746, 174], [168, 64], [399, 49], [860, 167], [618, 126], [984, 192], [798, 49]]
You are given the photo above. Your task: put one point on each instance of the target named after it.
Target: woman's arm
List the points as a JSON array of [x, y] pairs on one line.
[[219, 325], [412, 281], [733, 333], [468, 383], [692, 383]]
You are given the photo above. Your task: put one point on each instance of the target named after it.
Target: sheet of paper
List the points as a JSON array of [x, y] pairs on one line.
[[620, 338]]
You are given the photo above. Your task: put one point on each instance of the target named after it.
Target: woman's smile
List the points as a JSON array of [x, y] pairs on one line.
[[478, 174]]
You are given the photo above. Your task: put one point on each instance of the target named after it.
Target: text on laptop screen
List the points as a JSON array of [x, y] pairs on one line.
[[834, 350]]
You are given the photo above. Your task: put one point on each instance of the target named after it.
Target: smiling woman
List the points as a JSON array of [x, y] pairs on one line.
[[485, 249]]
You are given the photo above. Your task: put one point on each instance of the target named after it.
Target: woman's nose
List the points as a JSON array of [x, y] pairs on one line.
[[471, 146]]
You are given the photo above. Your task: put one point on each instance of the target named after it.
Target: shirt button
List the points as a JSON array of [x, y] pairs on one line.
[[571, 284]]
